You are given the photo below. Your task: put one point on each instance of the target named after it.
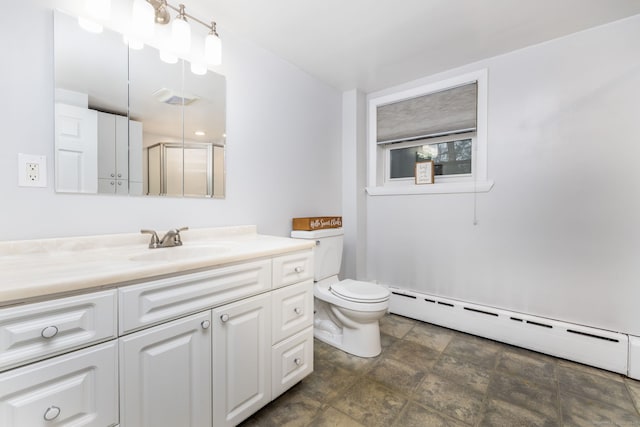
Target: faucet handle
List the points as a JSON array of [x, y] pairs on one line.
[[176, 238], [155, 241]]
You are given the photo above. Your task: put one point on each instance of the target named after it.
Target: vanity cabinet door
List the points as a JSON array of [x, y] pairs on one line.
[[292, 310], [165, 374], [160, 300], [241, 359], [292, 361], [79, 389], [31, 332], [292, 268]]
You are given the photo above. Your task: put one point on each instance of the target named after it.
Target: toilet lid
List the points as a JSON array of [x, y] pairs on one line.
[[353, 290]]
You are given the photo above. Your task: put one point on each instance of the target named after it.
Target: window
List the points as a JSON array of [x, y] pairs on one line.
[[451, 157], [444, 122]]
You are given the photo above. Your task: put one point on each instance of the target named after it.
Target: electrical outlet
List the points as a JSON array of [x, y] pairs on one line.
[[32, 170]]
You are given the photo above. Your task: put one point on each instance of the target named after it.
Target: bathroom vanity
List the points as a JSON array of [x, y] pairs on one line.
[[103, 331]]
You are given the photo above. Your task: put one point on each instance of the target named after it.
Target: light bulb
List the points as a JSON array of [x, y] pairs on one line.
[[143, 19], [198, 69], [213, 49], [181, 36]]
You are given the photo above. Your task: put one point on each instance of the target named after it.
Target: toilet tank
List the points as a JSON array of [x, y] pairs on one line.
[[328, 251]]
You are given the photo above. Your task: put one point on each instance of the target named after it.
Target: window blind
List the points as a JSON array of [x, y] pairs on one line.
[[439, 113]]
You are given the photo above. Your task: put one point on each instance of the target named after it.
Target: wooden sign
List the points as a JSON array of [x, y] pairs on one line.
[[424, 172], [317, 223]]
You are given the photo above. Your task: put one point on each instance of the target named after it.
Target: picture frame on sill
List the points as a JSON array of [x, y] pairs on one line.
[[425, 172]]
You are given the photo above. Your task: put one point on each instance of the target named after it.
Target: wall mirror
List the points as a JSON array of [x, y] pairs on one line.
[[128, 123]]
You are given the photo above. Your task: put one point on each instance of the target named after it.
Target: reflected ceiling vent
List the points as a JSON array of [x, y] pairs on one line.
[[173, 97]]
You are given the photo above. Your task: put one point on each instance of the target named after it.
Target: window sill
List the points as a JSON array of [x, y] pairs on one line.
[[442, 188]]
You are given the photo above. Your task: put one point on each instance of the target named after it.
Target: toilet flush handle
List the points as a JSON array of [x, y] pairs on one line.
[[317, 242]]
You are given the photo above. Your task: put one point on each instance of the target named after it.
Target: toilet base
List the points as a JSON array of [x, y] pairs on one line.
[[336, 340], [364, 341]]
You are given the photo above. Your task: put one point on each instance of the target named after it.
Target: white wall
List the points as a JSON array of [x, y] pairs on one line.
[[559, 234], [283, 153], [354, 220]]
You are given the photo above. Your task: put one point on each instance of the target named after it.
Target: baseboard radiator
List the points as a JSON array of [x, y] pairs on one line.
[[590, 346]]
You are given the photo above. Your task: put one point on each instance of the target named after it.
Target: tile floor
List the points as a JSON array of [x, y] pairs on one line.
[[433, 376]]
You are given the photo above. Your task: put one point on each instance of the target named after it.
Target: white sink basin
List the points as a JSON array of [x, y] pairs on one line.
[[180, 253]]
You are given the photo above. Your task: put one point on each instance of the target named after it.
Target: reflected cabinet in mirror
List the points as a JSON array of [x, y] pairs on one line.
[[128, 123]]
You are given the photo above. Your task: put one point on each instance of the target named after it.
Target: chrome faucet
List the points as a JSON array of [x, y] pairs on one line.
[[170, 239]]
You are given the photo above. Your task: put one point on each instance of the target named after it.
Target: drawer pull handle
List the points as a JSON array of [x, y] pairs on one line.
[[49, 332], [205, 324], [298, 269], [224, 318], [298, 310], [51, 413], [297, 361]]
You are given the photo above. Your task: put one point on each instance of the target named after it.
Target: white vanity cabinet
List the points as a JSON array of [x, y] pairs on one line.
[[206, 348], [79, 388], [165, 374], [241, 359]]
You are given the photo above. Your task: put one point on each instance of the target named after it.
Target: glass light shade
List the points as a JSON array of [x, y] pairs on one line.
[[168, 57], [213, 49], [180, 36], [98, 9], [89, 25], [143, 19], [198, 69]]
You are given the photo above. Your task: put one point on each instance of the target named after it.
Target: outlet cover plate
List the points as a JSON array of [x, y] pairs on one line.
[[27, 177]]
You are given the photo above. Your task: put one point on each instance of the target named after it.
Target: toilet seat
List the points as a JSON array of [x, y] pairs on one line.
[[356, 291]]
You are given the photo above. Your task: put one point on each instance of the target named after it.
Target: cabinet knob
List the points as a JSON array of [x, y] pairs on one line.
[[49, 332], [297, 310], [113, 183], [297, 361], [298, 269], [205, 324], [119, 182], [51, 413], [224, 318], [113, 175], [119, 175]]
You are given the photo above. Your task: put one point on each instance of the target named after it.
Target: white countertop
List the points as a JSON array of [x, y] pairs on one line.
[[39, 268]]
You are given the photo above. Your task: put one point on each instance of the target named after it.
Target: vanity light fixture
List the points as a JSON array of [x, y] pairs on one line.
[[146, 13], [200, 133], [181, 32]]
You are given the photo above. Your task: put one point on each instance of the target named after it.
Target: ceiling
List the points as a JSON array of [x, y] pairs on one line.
[[374, 44]]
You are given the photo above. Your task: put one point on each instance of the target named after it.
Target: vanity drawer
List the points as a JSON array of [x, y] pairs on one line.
[[79, 388], [294, 268], [34, 331], [292, 360], [160, 300], [292, 309]]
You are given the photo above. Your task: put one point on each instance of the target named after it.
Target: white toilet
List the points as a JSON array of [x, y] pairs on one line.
[[346, 312]]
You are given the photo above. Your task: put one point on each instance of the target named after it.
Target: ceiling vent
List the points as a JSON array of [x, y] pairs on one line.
[[174, 97]]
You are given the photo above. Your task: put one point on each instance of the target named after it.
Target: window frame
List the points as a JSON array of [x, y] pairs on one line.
[[378, 154]]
